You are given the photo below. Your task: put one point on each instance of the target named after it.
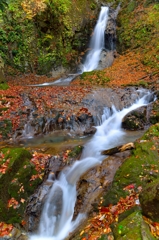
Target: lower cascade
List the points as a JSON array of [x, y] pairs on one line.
[[57, 216]]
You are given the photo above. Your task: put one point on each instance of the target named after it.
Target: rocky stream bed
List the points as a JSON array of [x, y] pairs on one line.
[[78, 115]]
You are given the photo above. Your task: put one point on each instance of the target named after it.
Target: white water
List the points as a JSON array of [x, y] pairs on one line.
[[97, 42], [56, 219]]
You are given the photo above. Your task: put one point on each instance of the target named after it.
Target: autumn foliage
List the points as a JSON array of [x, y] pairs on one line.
[[32, 7]]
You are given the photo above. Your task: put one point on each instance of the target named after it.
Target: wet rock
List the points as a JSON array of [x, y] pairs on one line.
[[36, 201], [96, 181], [108, 54], [136, 120], [106, 59], [86, 114], [149, 200], [110, 32]]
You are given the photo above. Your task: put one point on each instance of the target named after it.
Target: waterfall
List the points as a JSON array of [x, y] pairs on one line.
[[96, 42], [57, 216]]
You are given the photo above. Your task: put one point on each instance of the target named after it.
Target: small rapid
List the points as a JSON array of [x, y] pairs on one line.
[[57, 216]]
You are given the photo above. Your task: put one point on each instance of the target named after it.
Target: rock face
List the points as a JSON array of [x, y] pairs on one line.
[[149, 199], [110, 32], [136, 120], [108, 54]]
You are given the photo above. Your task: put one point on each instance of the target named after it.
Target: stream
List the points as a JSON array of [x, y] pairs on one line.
[[56, 220]]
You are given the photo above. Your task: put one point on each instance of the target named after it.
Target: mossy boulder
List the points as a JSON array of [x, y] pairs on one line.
[[132, 227], [15, 185], [139, 169], [149, 199]]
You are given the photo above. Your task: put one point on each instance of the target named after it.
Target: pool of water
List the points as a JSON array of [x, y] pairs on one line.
[[59, 140]]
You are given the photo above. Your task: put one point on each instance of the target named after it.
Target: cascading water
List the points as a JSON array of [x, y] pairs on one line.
[[56, 219], [97, 42]]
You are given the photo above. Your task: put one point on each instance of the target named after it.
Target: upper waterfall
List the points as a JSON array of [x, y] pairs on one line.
[[96, 42]]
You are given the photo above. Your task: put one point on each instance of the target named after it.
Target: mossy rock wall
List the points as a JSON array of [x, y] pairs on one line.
[[15, 185], [52, 38]]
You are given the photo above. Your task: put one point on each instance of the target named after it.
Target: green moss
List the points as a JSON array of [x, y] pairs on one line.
[[4, 86], [97, 77], [76, 151], [132, 227], [15, 183], [5, 128], [151, 133]]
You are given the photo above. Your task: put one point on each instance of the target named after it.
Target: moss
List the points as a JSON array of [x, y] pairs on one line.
[[132, 227], [15, 183], [138, 84], [96, 77], [4, 86], [139, 169], [151, 133], [5, 128], [76, 151]]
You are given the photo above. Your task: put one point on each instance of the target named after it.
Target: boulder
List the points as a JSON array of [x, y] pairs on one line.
[[132, 227], [149, 200], [16, 185]]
